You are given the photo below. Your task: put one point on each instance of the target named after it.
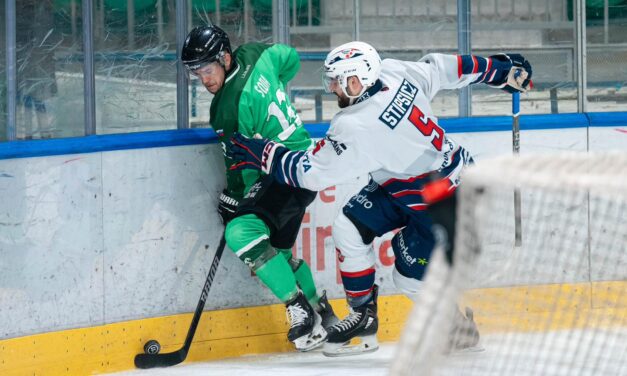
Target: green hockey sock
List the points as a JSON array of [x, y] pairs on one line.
[[303, 276], [248, 237], [277, 275]]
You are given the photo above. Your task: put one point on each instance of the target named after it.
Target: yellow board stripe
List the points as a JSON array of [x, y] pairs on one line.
[[258, 330], [549, 307], [221, 334]]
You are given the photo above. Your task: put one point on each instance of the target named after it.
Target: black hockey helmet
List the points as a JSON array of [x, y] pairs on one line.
[[204, 45]]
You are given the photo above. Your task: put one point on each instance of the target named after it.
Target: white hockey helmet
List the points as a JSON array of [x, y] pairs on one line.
[[352, 59]]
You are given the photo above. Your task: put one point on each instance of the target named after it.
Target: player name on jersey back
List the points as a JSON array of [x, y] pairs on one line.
[[399, 105]]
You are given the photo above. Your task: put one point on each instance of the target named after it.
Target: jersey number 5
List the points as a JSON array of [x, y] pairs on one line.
[[427, 126]]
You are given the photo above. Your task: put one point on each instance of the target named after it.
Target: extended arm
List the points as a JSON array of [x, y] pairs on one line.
[[330, 163], [511, 73]]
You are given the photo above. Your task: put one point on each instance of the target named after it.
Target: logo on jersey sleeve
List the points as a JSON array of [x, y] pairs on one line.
[[319, 145], [399, 105], [338, 147], [306, 163]]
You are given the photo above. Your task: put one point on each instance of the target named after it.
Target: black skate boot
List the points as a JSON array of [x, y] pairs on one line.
[[362, 322], [326, 312], [464, 335], [305, 332]]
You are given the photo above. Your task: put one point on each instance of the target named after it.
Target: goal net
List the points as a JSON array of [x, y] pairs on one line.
[[556, 304]]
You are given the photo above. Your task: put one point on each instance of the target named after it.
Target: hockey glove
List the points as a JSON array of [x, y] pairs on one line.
[[518, 77], [256, 153], [226, 207]]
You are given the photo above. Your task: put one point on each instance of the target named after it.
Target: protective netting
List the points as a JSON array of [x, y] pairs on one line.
[[556, 304]]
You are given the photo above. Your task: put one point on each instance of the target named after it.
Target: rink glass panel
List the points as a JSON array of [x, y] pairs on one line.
[[135, 66], [405, 30], [607, 52], [409, 30], [543, 33], [316, 26], [244, 21], [49, 98], [3, 73]]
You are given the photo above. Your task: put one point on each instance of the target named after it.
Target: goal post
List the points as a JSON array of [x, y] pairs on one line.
[[557, 304]]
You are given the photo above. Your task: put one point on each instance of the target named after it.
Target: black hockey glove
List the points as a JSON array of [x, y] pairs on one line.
[[516, 73], [254, 153], [226, 207]]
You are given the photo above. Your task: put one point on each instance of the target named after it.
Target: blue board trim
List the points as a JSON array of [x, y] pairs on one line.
[[607, 119], [527, 122], [180, 137], [93, 144]]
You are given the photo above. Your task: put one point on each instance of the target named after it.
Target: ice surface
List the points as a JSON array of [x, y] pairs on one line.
[[563, 353], [288, 364]]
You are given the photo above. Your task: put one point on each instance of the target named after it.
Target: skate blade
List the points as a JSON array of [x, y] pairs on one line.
[[367, 344], [313, 340], [471, 349]]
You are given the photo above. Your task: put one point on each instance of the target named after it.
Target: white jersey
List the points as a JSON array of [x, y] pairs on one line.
[[391, 134]]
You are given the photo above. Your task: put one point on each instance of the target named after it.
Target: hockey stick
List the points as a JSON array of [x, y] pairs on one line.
[[516, 149], [178, 356]]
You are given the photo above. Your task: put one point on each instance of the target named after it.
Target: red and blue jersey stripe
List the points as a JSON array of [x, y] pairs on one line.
[[285, 170], [492, 71], [359, 283]]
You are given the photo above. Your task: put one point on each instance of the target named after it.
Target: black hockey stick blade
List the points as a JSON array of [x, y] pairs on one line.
[[145, 361]]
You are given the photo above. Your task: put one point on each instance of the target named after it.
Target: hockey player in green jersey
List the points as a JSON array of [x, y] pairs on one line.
[[262, 217]]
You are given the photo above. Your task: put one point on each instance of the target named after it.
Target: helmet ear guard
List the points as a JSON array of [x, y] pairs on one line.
[[344, 87], [222, 58]]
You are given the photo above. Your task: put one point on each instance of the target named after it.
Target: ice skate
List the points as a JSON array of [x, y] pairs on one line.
[[326, 312], [306, 331], [360, 325]]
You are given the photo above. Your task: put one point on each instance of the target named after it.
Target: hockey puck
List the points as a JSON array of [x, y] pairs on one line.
[[152, 347]]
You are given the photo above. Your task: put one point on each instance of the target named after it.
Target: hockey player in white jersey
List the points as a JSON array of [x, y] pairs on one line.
[[387, 129]]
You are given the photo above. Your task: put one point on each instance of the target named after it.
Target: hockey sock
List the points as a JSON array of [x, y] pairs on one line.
[[358, 286], [305, 280], [304, 277], [248, 236], [277, 274]]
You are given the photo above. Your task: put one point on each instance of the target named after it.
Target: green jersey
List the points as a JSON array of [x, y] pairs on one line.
[[254, 101]]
